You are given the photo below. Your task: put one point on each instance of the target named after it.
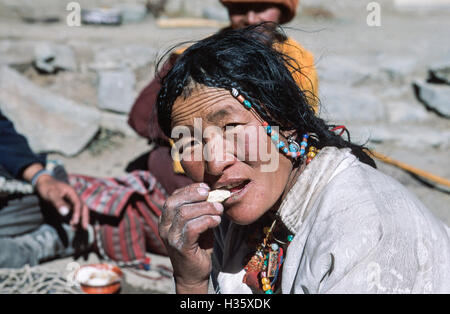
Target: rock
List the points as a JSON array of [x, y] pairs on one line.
[[38, 14], [340, 103], [400, 111], [338, 8], [358, 70], [422, 5], [101, 16], [440, 71], [116, 67], [50, 122], [397, 69], [16, 54], [354, 70], [216, 12], [402, 135], [42, 11], [336, 69], [132, 56], [191, 8], [77, 86], [45, 56], [50, 58], [132, 12], [399, 93], [116, 122], [116, 90], [434, 96]]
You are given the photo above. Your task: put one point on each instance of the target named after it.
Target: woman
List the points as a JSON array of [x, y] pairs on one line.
[[323, 221]]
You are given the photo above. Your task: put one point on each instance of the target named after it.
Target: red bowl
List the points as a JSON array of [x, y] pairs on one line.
[[110, 288]]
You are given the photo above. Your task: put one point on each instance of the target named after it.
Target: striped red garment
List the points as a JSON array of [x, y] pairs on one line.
[[128, 208]]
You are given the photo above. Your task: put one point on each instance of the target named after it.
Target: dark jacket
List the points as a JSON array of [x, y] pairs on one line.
[[15, 153]]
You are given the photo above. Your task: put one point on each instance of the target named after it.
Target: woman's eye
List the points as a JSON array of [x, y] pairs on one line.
[[230, 126]]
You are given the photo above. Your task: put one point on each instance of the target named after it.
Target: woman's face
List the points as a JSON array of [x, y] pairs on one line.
[[227, 148], [247, 14]]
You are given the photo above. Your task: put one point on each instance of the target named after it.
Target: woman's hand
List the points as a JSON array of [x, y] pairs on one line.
[[186, 229]]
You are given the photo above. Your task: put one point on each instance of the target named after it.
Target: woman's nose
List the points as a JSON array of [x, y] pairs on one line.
[[217, 156]]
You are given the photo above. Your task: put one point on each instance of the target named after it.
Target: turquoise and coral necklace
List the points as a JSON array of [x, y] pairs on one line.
[[263, 270]]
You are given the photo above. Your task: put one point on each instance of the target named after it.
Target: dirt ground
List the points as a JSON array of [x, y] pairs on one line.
[[381, 62]]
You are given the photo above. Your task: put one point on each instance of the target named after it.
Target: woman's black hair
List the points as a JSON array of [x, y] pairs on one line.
[[246, 59]]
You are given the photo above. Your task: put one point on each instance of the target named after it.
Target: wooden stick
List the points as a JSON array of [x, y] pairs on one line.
[[406, 167], [189, 22]]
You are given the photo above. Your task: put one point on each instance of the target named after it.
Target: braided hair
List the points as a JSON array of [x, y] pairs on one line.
[[246, 59]]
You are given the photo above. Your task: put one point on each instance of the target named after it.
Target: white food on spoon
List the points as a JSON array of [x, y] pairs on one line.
[[218, 196]]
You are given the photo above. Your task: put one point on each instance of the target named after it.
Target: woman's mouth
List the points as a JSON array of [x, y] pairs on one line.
[[237, 191], [238, 188]]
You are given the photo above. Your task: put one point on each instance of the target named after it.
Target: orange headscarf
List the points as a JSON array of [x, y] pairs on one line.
[[307, 78], [290, 7]]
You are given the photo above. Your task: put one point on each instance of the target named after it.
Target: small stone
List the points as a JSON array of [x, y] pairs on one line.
[[421, 5], [434, 96], [133, 56], [132, 12], [342, 70], [399, 111], [194, 8], [340, 103], [50, 58], [116, 122], [440, 71], [412, 136], [16, 54], [47, 11], [101, 16], [398, 68], [116, 90]]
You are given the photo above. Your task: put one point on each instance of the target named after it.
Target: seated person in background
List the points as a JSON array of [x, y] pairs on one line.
[[242, 13], [123, 210], [25, 236]]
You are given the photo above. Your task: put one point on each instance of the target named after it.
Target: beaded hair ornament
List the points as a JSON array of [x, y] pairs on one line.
[[292, 149]]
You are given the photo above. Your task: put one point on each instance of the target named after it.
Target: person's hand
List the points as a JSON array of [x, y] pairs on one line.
[[64, 198], [186, 228]]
